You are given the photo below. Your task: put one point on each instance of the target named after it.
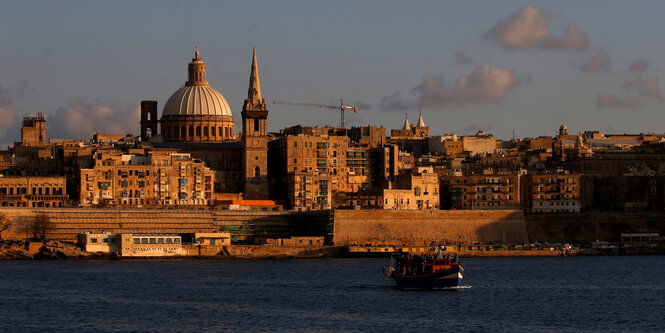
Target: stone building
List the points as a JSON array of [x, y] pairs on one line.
[[552, 193], [18, 191], [155, 179], [486, 190], [308, 156], [33, 130], [416, 189]]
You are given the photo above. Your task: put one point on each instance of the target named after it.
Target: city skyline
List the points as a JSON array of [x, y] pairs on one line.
[[498, 67]]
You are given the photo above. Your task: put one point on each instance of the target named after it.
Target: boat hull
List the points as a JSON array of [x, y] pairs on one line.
[[442, 279]]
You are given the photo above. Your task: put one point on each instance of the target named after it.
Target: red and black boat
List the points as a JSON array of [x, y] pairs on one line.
[[411, 271]]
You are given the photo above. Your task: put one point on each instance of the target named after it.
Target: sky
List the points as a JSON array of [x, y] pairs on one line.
[[504, 67]]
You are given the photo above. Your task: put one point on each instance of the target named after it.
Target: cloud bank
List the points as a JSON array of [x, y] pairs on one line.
[[528, 28], [81, 119], [485, 85]]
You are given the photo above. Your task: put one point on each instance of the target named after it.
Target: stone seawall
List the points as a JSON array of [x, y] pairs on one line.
[[587, 227], [351, 226], [424, 227], [68, 222]]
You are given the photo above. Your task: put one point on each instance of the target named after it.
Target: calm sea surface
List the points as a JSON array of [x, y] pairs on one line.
[[598, 294]]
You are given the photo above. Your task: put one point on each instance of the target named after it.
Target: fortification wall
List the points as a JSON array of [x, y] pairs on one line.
[[67, 223], [587, 227], [424, 227]]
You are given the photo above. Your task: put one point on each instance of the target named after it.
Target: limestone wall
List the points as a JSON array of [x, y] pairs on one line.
[[424, 227], [67, 223], [587, 227]]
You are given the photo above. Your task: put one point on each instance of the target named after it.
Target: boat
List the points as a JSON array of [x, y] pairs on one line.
[[411, 271]]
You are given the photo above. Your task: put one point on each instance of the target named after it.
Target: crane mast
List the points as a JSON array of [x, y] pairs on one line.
[[341, 107]]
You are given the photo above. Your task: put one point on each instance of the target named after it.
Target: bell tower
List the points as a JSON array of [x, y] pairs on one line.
[[255, 139], [149, 119]]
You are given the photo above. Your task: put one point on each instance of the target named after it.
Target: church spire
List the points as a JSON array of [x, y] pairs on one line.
[[406, 126], [421, 123], [254, 91], [254, 99]]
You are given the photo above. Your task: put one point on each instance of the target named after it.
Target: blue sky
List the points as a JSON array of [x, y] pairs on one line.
[[474, 65]]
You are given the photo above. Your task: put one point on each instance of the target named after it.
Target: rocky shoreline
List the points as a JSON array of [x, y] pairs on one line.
[[23, 250], [57, 250]]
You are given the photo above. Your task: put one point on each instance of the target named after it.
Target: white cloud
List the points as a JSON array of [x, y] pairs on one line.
[[529, 28], [486, 84]]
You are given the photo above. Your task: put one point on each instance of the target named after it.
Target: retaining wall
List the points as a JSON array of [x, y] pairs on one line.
[[68, 222], [381, 227]]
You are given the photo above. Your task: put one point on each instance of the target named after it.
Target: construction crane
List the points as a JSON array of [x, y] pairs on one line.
[[341, 107]]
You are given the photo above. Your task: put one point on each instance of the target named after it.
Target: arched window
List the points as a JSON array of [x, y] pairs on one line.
[[226, 132], [220, 130], [148, 132], [256, 125], [212, 130], [198, 130], [147, 115], [191, 130], [182, 132], [205, 131], [257, 172]]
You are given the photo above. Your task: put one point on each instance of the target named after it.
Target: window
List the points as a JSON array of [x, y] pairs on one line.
[[93, 240], [256, 125], [153, 240]]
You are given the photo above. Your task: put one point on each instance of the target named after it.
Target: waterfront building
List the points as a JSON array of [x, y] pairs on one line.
[[24, 191]]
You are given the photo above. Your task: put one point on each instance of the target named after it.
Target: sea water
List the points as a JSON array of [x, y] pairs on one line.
[[574, 294]]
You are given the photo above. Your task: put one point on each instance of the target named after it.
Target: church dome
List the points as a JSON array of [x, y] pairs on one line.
[[197, 101], [197, 112], [197, 98]]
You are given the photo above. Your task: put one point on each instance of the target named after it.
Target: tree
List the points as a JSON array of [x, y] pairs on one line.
[[40, 225], [5, 223]]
